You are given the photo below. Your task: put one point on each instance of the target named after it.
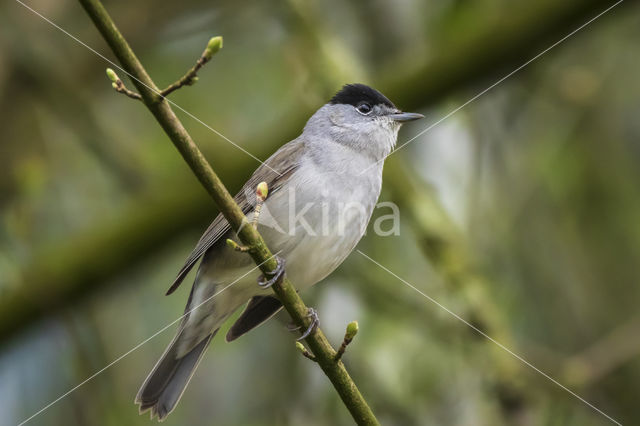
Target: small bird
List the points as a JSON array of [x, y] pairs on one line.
[[322, 189]]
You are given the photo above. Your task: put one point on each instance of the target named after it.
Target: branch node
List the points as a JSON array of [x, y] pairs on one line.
[[352, 330], [238, 247], [213, 46], [119, 86], [305, 352], [262, 191]]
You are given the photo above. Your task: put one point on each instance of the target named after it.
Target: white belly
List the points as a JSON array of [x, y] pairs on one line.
[[314, 225], [330, 216]]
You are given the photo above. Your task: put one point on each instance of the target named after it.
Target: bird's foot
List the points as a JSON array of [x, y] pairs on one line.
[[274, 276], [315, 322]]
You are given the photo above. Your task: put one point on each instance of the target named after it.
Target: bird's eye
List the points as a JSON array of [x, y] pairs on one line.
[[364, 108]]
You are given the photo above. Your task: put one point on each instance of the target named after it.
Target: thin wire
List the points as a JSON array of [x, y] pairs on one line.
[[572, 33], [491, 339], [121, 357], [148, 87]]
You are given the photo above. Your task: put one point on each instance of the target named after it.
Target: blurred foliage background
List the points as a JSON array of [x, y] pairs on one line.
[[519, 212]]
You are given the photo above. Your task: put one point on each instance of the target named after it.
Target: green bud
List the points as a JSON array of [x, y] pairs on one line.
[[237, 247], [114, 85], [112, 75], [262, 190], [352, 330], [300, 347], [213, 46]]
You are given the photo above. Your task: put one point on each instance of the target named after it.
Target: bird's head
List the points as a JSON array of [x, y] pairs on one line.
[[362, 118]]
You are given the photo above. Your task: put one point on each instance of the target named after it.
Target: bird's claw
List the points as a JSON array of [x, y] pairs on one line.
[[292, 327], [274, 276], [315, 321]]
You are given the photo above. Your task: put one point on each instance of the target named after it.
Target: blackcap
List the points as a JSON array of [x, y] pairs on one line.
[[322, 189]]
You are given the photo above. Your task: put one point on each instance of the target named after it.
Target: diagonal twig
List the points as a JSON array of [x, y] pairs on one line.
[[214, 45]]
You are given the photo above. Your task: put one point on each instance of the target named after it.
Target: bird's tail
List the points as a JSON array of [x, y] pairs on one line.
[[166, 383]]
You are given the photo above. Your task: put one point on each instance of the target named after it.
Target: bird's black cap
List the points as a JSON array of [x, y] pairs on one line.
[[353, 94]]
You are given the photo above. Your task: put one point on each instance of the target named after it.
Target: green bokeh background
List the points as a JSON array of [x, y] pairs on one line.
[[519, 213]]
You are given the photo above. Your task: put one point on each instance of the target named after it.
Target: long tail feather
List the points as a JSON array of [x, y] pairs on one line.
[[166, 383]]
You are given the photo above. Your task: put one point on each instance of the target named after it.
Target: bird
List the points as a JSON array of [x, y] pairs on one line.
[[322, 189]]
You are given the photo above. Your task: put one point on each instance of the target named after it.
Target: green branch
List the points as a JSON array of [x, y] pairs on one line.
[[214, 45], [154, 100]]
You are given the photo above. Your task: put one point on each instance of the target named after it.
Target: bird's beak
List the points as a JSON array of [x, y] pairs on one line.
[[402, 117]]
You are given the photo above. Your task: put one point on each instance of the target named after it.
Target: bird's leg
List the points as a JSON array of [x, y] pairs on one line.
[[292, 327], [274, 276], [315, 322]]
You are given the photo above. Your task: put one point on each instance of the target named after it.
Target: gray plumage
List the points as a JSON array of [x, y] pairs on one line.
[[323, 187], [164, 386]]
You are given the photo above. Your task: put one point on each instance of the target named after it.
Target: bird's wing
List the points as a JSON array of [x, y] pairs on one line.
[[275, 172], [258, 310]]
